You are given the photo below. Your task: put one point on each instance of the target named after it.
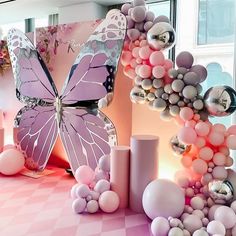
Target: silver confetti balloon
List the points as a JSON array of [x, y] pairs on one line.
[[161, 36], [178, 147], [138, 95], [221, 191], [220, 100]]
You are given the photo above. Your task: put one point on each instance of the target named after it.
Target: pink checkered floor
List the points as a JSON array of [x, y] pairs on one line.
[[42, 207]]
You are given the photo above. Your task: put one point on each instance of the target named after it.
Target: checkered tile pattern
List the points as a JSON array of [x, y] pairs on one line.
[[42, 207]]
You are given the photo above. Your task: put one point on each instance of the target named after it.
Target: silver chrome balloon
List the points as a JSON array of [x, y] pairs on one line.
[[138, 95], [221, 191], [220, 100], [161, 36], [178, 147]]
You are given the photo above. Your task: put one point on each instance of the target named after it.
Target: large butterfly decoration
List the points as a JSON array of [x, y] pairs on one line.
[[86, 132]]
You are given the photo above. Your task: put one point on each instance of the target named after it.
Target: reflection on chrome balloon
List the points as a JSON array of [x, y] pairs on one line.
[[220, 100], [138, 95], [178, 147]]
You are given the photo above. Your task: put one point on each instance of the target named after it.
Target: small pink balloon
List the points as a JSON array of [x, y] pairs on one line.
[[129, 72], [186, 113], [219, 159], [11, 162], [200, 142], [168, 64], [231, 142], [84, 175], [133, 63], [158, 72], [212, 211], [216, 227], [126, 57], [145, 52], [157, 58], [190, 123], [73, 191], [206, 153], [145, 71], [226, 216], [160, 226], [216, 138], [186, 161], [135, 52], [79, 205], [197, 203], [92, 206], [199, 166], [206, 178], [102, 186], [232, 129], [219, 128], [202, 129], [109, 201], [143, 43], [187, 135], [192, 223], [82, 191], [224, 150], [219, 172]]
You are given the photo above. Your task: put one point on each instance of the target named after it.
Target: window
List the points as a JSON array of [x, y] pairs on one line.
[[41, 22], [160, 8], [216, 21]]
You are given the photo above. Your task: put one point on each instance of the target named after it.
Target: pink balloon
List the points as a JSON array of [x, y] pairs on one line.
[[199, 166], [224, 150], [219, 159], [186, 161], [216, 138], [168, 64], [160, 226], [187, 135], [11, 162], [73, 191], [157, 202], [232, 129], [102, 185], [133, 63], [226, 216], [200, 142], [202, 129], [219, 128], [206, 153], [143, 43], [145, 52], [79, 205], [157, 58], [231, 142], [219, 172], [190, 123], [192, 223], [216, 227], [84, 175], [197, 203], [186, 113], [158, 72], [109, 201], [145, 71], [82, 191], [129, 72], [126, 57]]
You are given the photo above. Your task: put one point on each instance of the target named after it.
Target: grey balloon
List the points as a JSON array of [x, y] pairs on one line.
[[173, 73], [151, 96], [146, 84], [161, 36], [220, 100], [174, 110], [189, 92], [157, 83], [159, 104], [165, 115], [173, 98], [158, 93], [168, 89], [138, 80], [177, 85]]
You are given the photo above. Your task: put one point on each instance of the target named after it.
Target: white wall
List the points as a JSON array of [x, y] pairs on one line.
[[81, 12]]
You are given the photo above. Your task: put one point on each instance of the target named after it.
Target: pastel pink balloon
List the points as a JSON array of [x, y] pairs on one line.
[[206, 178], [79, 205], [232, 129], [133, 63], [231, 142], [145, 71], [216, 227], [157, 58], [73, 191], [187, 135], [200, 142], [158, 72], [192, 223], [224, 150], [11, 162], [197, 203], [126, 57], [226, 216], [160, 226], [186, 113], [135, 52], [199, 166], [206, 153], [145, 52], [196, 117], [143, 43], [186, 161], [82, 191], [219, 172], [129, 72], [202, 129], [212, 211], [219, 128], [219, 159], [84, 175], [109, 201], [168, 64], [190, 123], [216, 138]]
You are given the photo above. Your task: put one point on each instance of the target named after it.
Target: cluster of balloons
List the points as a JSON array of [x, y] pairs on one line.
[[12, 161], [92, 192]]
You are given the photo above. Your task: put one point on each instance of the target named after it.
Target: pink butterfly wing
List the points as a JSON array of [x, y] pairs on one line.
[[32, 79], [92, 76], [86, 136], [36, 134]]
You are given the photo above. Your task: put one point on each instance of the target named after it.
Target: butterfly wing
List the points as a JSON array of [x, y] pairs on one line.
[[36, 134], [34, 84], [86, 135], [92, 76], [36, 122]]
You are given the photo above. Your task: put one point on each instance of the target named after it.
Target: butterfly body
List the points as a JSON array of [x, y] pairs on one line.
[[86, 132]]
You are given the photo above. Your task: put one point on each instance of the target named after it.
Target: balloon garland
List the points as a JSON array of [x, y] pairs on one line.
[[202, 201], [204, 147]]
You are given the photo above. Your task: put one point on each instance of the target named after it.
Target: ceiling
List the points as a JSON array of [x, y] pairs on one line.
[[22, 9]]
